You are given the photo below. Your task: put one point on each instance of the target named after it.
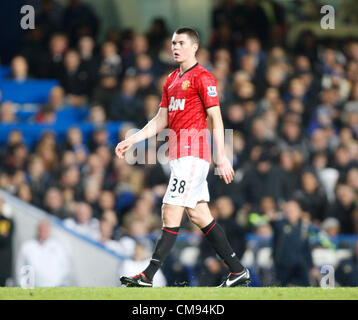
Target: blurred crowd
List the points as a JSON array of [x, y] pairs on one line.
[[293, 111]]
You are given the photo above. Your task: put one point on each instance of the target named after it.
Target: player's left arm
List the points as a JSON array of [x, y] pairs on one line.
[[207, 89], [224, 166]]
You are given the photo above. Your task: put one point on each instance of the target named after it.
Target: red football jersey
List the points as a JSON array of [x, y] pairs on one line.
[[187, 96]]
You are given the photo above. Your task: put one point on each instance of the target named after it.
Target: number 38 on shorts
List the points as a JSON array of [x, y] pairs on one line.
[[187, 185]]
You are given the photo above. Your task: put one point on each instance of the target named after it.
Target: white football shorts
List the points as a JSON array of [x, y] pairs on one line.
[[187, 183]]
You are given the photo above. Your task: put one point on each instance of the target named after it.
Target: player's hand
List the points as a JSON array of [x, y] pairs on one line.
[[225, 170], [122, 147]]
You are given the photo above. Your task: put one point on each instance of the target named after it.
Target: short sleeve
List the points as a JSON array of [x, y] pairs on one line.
[[207, 88], [164, 101]]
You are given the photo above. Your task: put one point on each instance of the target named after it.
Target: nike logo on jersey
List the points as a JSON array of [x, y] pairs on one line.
[[176, 104]]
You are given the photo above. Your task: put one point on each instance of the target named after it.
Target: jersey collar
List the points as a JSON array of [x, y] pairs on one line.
[[181, 74]]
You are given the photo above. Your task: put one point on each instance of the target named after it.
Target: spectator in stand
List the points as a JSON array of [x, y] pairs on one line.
[[89, 59], [53, 203], [258, 139], [125, 104], [105, 238], [99, 137], [82, 221], [17, 158], [47, 257], [37, 179], [47, 149], [342, 161], [106, 201], [74, 140], [145, 75], [14, 138], [320, 144], [58, 46], [289, 174], [97, 115], [24, 193], [259, 181], [70, 183], [157, 33], [203, 57], [139, 45], [253, 47], [79, 19], [137, 231], [111, 62], [57, 99], [91, 194], [7, 113], [19, 69], [293, 139], [312, 198], [352, 179], [75, 80], [344, 209], [291, 249], [142, 212], [46, 116], [347, 271]]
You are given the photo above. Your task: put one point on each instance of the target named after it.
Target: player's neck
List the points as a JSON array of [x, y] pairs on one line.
[[186, 65]]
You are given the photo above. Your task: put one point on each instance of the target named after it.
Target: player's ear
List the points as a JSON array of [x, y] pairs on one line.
[[196, 47]]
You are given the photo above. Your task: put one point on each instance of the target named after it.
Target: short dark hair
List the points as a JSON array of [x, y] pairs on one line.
[[193, 34]]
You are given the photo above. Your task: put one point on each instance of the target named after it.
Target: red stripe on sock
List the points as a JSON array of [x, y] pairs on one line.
[[210, 228], [173, 232]]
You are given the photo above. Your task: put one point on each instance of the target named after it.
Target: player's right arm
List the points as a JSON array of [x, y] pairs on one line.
[[157, 124]]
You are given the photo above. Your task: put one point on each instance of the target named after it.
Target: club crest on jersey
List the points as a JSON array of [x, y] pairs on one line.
[[185, 85], [176, 104], [212, 91]]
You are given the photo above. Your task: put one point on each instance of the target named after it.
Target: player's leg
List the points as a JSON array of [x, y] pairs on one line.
[[201, 216], [172, 217]]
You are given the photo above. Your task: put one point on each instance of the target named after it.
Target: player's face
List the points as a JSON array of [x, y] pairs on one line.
[[183, 47]]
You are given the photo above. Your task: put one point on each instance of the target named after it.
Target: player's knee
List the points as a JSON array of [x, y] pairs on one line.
[[194, 217]]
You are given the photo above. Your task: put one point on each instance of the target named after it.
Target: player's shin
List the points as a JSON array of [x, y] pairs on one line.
[[162, 249], [216, 236]]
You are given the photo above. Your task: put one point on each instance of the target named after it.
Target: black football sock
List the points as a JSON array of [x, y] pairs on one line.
[[216, 236], [164, 245]]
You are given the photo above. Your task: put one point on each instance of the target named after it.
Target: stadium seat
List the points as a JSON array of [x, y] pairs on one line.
[[32, 91], [4, 72], [33, 131]]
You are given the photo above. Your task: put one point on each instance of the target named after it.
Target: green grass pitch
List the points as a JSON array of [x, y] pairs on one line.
[[175, 293]]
